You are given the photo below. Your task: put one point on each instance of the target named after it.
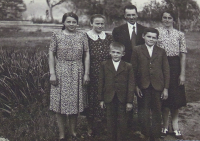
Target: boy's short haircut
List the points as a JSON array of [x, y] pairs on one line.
[[150, 29], [117, 45]]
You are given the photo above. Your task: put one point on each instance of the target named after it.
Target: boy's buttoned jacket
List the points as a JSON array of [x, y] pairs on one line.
[[120, 82], [150, 70]]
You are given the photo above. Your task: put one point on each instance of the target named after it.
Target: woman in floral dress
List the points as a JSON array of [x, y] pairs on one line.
[[67, 74], [99, 42], [173, 41]]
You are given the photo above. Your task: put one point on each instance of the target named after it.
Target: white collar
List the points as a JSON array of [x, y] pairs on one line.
[[150, 47], [116, 62], [94, 36], [132, 25]]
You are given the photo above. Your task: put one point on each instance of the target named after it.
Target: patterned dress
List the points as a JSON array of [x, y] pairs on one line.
[[69, 96], [99, 51], [173, 41]]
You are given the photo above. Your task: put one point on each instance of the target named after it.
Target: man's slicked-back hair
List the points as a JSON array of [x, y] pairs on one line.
[[130, 6], [117, 45]]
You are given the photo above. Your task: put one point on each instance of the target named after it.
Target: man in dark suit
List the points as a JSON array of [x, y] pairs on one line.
[[130, 35], [123, 33], [116, 91], [151, 68]]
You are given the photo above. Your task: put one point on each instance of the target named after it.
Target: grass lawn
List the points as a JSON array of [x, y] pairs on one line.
[[34, 122]]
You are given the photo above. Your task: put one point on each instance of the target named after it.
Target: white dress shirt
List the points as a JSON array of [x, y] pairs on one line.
[[116, 64], [150, 49], [130, 28]]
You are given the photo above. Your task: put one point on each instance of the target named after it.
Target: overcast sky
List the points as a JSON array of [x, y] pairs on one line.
[[37, 8]]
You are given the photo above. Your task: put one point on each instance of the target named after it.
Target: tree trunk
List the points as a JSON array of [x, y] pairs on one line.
[[51, 13]]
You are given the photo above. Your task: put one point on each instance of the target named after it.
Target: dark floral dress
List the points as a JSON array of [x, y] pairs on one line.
[[99, 51]]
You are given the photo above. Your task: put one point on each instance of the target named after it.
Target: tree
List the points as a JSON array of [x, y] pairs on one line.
[[112, 9], [152, 11], [185, 9], [11, 9], [51, 4]]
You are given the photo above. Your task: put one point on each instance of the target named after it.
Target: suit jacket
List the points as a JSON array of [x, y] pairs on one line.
[[150, 70], [120, 82], [121, 34]]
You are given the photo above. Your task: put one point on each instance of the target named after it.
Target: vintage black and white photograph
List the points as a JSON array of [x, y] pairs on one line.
[[99, 70]]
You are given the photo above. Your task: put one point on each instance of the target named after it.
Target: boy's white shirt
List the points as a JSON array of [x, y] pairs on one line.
[[116, 64], [150, 49]]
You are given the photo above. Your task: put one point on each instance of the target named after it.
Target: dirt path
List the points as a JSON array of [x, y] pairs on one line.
[[189, 122]]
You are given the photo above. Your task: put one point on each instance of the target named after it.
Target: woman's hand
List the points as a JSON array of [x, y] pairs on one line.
[[164, 94], [53, 80], [129, 106], [86, 79], [102, 104], [181, 79]]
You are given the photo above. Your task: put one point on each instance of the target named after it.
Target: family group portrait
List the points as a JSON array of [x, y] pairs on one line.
[[99, 70]]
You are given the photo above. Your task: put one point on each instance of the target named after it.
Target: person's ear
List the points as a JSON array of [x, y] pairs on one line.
[[124, 15], [137, 15], [143, 36], [91, 24], [123, 53]]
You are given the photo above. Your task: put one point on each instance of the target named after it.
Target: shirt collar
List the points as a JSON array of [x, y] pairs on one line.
[[149, 47], [94, 36], [132, 25], [116, 62]]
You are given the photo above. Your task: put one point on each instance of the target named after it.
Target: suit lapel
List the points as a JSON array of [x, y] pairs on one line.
[[145, 51], [139, 34], [110, 66], [120, 67], [126, 32], [155, 53]]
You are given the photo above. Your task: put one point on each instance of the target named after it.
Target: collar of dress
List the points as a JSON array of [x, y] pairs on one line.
[[94, 36]]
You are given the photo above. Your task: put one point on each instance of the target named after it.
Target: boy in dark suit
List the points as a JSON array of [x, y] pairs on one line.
[[116, 90], [130, 35], [151, 70]]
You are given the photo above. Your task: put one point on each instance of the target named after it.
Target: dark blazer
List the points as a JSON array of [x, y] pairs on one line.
[[150, 70], [120, 82], [121, 34]]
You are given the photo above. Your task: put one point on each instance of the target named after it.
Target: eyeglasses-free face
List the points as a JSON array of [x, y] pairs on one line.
[[98, 25], [131, 16], [70, 24], [167, 20]]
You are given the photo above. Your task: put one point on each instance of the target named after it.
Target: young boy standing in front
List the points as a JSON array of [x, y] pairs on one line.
[[116, 90], [151, 70]]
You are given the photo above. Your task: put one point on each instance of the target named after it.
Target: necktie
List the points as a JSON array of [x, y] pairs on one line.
[[133, 37]]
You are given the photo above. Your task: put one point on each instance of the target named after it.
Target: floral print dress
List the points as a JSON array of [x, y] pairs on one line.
[[99, 51], [69, 96]]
